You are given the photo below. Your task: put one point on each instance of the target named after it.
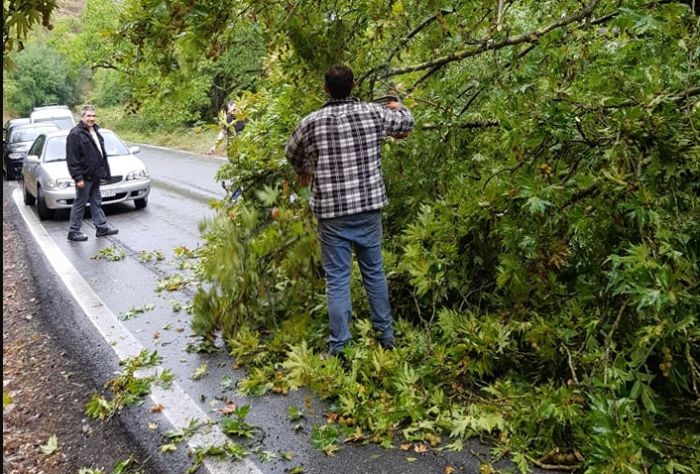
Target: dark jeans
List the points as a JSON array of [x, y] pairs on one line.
[[338, 236], [90, 192]]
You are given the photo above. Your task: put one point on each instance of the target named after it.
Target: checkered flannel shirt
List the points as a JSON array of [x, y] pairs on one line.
[[340, 144]]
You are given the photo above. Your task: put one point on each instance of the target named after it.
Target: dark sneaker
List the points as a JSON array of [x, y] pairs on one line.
[[340, 355], [77, 237], [105, 231], [388, 345]]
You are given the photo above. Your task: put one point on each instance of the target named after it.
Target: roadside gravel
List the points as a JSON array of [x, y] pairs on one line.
[[48, 383]]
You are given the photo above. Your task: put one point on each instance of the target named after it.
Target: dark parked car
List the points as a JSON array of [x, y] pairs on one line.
[[18, 142], [10, 124]]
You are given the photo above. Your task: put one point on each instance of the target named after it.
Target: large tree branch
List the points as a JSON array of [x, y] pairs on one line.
[[489, 44], [483, 88], [106, 65], [404, 41], [474, 124]]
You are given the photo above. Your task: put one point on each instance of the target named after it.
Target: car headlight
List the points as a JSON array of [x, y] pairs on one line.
[[60, 183], [16, 156], [138, 174]]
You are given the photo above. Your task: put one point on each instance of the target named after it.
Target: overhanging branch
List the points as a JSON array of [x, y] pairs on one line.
[[403, 43], [488, 44], [467, 125]]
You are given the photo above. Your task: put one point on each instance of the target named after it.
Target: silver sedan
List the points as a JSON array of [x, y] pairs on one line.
[[47, 183]]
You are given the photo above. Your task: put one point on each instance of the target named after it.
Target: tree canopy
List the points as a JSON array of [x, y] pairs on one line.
[[18, 17], [543, 236], [543, 232]]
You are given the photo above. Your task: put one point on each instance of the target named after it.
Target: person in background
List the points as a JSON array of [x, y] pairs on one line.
[[87, 165], [232, 127], [337, 150]]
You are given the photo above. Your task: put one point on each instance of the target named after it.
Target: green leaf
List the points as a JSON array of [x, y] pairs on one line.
[[167, 448], [226, 382], [6, 399], [537, 205], [51, 445], [201, 371]]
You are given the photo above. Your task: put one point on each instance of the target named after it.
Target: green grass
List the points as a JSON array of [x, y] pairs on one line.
[[136, 129]]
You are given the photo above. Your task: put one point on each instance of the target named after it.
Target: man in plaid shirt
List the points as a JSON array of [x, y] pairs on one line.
[[337, 150]]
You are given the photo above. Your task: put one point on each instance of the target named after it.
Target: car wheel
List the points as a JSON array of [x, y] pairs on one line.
[[141, 203], [28, 198], [44, 212]]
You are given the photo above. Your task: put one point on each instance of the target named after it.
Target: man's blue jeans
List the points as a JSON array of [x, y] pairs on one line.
[[338, 236], [90, 192]]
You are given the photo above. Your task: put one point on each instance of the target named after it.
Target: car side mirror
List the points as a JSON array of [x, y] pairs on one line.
[[32, 159], [134, 149]]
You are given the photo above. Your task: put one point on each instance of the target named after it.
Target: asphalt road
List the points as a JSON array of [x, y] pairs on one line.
[[91, 294]]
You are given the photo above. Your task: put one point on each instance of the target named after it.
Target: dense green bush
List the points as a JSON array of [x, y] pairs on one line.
[[109, 89], [543, 237], [41, 75]]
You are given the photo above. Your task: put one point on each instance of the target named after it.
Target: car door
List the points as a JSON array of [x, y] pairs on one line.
[[30, 171]]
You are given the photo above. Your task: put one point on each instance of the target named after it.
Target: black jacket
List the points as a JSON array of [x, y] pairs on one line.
[[84, 159], [234, 125]]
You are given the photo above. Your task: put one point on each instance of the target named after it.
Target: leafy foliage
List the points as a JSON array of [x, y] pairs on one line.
[[41, 75], [127, 388], [325, 438], [18, 17], [541, 241], [51, 445], [227, 450], [543, 233], [235, 425], [156, 255], [114, 253], [135, 312], [7, 399]]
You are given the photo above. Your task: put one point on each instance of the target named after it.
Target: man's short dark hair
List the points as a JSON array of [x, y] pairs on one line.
[[339, 81], [86, 108]]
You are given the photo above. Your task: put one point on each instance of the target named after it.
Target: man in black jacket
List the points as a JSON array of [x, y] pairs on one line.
[[87, 164]]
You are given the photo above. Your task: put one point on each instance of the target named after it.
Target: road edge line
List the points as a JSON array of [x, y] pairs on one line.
[[175, 150]]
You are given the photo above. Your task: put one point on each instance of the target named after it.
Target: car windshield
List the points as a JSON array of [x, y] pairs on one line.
[[64, 123], [15, 122], [56, 147], [28, 135]]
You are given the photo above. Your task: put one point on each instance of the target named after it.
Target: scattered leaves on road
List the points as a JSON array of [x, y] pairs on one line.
[[168, 448], [226, 382], [172, 283], [235, 424], [294, 413], [127, 389], [136, 311], [201, 371], [51, 445], [111, 254], [145, 256]]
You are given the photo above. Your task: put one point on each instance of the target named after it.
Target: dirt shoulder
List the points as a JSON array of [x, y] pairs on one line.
[[49, 386]]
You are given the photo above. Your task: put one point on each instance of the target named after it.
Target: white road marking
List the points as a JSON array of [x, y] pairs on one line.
[[179, 406], [171, 150]]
